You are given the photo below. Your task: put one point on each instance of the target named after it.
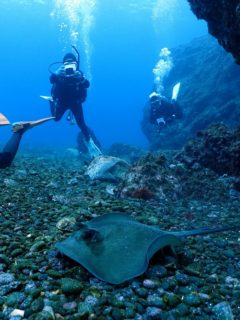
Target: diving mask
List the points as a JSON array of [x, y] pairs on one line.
[[70, 67]]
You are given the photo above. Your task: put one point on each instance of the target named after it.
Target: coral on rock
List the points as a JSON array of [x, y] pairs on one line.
[[217, 148], [150, 178], [154, 177]]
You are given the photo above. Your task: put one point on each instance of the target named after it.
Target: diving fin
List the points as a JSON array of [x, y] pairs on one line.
[[175, 91], [16, 126], [48, 98], [93, 150], [3, 120]]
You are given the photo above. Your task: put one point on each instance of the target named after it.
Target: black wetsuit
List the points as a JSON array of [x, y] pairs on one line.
[[9, 151], [69, 92], [162, 108]]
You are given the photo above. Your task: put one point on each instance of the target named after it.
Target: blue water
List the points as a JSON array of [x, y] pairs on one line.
[[119, 49]]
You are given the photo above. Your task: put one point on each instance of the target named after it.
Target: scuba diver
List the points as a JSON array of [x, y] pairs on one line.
[[162, 110], [69, 91], [19, 128]]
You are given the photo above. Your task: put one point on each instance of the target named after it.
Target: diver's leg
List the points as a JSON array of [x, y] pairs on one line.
[[78, 115], [58, 111], [10, 149], [77, 111], [52, 107]]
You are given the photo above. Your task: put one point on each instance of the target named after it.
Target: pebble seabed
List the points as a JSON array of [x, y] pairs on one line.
[[38, 283]]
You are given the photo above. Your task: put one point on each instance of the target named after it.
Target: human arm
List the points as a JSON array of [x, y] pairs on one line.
[[85, 83], [53, 78]]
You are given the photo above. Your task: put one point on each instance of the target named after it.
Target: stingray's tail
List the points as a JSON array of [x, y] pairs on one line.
[[197, 232]]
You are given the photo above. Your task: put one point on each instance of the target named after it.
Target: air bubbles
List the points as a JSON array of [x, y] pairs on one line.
[[162, 69], [79, 16]]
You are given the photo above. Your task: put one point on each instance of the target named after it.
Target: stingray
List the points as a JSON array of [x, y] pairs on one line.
[[116, 248]]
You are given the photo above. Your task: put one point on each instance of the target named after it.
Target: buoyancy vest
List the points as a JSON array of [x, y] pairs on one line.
[[67, 88]]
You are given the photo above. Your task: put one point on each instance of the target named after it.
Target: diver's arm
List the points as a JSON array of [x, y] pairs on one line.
[[53, 78], [10, 150], [55, 75], [84, 81]]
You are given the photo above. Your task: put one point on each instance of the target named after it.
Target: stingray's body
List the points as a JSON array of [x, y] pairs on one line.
[[116, 248]]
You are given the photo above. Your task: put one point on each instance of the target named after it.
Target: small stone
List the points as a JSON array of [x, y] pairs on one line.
[[158, 271], [73, 181], [71, 286], [35, 293], [91, 300], [182, 279], [37, 246], [21, 174], [150, 284], [213, 278], [10, 183], [130, 312], [60, 199], [15, 298], [66, 224], [37, 305], [49, 313], [232, 282], [4, 259], [223, 311], [171, 299], [54, 274], [192, 299], [70, 305], [229, 253], [6, 278], [181, 310], [155, 301], [17, 313], [154, 313], [84, 309], [142, 292], [16, 252]]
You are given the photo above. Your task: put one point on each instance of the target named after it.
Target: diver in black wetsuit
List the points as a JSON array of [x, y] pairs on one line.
[[163, 111], [69, 91]]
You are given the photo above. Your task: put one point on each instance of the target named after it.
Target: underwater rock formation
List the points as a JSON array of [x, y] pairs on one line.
[[154, 177], [209, 93], [150, 178], [217, 148], [223, 19]]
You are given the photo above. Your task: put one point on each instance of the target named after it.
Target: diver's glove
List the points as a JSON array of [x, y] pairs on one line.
[[93, 150]]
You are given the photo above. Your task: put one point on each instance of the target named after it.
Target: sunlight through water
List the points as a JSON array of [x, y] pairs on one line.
[[164, 8], [164, 14], [76, 20]]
